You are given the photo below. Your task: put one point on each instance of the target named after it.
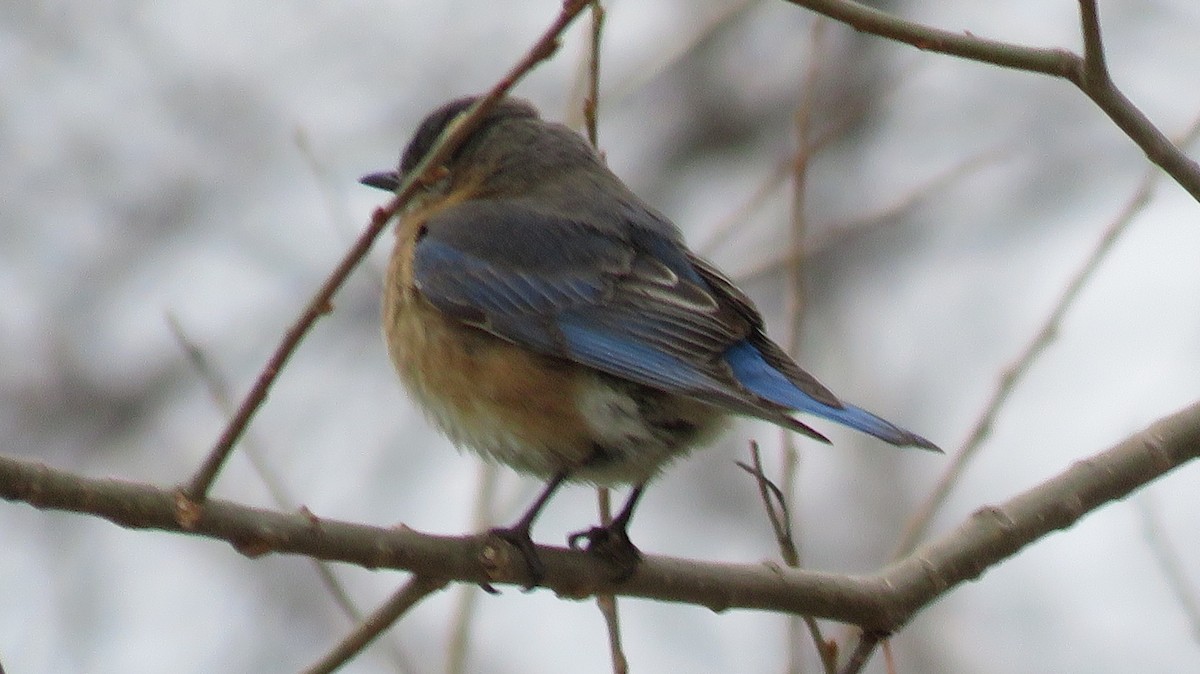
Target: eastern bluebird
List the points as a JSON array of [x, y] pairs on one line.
[[547, 318]]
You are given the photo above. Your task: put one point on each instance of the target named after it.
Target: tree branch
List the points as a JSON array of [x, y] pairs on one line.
[[882, 602], [1089, 74]]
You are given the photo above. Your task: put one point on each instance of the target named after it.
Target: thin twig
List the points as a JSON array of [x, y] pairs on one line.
[[1014, 373], [889, 658], [321, 303], [416, 589], [1174, 569], [1095, 70], [591, 103], [733, 222], [325, 183], [459, 646], [775, 505], [861, 653], [678, 48], [606, 603], [198, 486], [218, 390], [866, 19], [797, 298], [833, 234]]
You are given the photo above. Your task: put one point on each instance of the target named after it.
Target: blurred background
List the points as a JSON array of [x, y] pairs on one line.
[[196, 163]]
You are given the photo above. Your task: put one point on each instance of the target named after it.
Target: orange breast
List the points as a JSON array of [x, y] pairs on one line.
[[485, 393]]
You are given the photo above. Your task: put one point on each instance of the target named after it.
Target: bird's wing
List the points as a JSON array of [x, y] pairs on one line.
[[626, 301]]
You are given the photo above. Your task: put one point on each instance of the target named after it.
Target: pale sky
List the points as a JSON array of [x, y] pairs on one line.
[[200, 160]]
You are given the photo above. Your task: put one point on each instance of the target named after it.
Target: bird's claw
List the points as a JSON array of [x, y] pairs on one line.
[[520, 539], [610, 544]]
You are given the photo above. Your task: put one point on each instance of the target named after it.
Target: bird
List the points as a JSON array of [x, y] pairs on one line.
[[547, 318]]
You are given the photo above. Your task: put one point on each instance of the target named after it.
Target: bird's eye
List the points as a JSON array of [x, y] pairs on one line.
[[421, 232]]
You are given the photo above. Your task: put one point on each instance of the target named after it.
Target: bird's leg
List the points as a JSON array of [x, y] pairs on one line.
[[611, 542], [518, 535]]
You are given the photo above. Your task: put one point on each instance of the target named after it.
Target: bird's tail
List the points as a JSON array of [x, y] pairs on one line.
[[753, 372], [862, 420]]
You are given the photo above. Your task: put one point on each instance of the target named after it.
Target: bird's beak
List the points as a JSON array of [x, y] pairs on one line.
[[387, 181]]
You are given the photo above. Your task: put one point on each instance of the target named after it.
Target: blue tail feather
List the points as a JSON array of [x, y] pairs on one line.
[[753, 371]]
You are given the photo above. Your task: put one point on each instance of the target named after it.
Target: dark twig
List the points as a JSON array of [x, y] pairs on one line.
[[775, 504], [416, 589], [218, 390], [197, 488], [607, 603], [1095, 70]]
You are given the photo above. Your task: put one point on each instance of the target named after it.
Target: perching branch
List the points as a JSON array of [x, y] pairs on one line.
[[882, 602]]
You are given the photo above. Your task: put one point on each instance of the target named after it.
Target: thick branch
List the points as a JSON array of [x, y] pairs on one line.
[[995, 533], [881, 602]]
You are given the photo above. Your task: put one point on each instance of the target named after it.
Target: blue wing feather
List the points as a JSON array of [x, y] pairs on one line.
[[632, 303], [547, 311], [753, 371]]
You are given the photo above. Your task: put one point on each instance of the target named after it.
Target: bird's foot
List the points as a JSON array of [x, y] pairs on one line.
[[610, 544], [518, 537]]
